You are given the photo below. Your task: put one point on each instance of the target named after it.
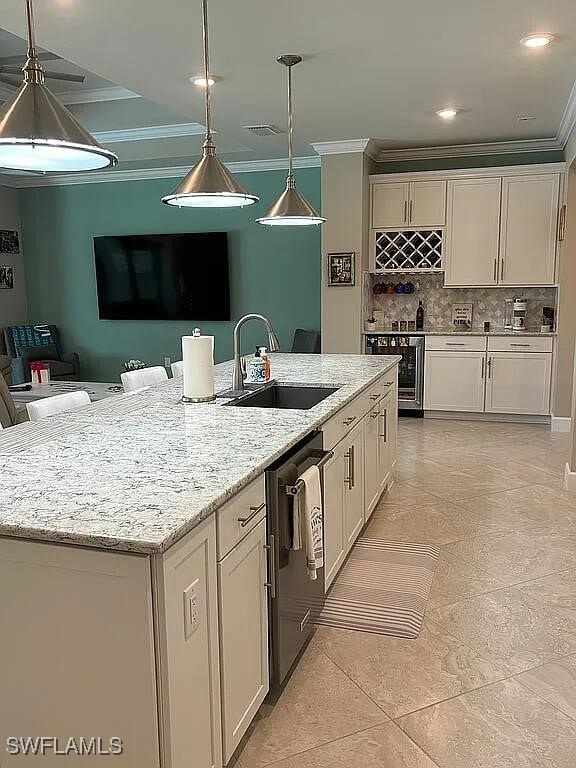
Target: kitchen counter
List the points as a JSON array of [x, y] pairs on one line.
[[452, 332], [138, 471]]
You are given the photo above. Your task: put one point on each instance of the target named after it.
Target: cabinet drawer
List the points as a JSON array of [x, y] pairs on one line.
[[456, 343], [236, 518], [376, 392], [520, 344], [340, 424]]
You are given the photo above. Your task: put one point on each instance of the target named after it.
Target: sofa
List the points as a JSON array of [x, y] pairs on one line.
[[26, 344]]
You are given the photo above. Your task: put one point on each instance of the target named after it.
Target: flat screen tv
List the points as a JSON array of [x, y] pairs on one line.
[[163, 277]]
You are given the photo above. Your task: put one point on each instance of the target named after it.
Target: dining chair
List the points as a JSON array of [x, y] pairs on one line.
[[50, 406], [143, 377], [177, 369]]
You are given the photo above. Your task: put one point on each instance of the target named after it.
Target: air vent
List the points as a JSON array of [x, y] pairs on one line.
[[262, 130]]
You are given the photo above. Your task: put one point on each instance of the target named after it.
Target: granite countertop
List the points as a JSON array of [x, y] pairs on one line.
[[138, 471], [453, 332]]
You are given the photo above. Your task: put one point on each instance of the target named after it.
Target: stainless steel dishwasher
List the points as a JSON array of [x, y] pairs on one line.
[[294, 598]]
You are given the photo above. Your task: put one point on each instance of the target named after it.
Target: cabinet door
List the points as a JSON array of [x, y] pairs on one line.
[[518, 382], [388, 429], [454, 381], [529, 229], [334, 475], [372, 450], [472, 232], [390, 204], [427, 205], [353, 487], [188, 653], [243, 635]]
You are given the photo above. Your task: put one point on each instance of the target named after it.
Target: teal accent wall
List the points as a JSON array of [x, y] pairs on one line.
[[473, 161], [275, 271]]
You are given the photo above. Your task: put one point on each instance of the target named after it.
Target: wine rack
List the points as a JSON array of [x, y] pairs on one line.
[[412, 250]]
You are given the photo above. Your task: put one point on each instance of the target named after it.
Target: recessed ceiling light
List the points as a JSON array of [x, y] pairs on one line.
[[447, 113], [200, 80], [537, 41]]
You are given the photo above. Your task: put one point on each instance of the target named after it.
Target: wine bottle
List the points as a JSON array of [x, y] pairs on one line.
[[420, 317]]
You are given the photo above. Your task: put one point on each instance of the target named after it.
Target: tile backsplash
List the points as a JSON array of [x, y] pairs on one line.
[[437, 300]]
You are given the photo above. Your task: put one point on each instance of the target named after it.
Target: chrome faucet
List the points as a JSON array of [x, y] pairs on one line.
[[273, 343]]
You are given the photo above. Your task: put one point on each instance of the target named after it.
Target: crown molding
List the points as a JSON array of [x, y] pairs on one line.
[[345, 147], [469, 173], [568, 119], [141, 174], [149, 132], [471, 150]]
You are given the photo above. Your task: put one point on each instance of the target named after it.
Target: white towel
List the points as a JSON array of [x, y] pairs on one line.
[[309, 521]]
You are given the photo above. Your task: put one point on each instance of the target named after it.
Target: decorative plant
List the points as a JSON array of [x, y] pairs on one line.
[[134, 365]]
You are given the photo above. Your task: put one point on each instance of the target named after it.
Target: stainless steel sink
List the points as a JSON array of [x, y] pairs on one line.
[[284, 396]]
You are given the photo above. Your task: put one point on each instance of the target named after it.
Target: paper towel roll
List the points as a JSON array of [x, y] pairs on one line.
[[198, 367]]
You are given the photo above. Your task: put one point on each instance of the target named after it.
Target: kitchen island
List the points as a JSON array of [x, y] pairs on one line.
[[121, 545]]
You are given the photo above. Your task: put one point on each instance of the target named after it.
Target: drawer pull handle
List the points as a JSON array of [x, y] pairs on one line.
[[349, 421], [388, 383], [254, 510], [455, 344], [374, 397], [375, 415], [271, 547], [513, 344]]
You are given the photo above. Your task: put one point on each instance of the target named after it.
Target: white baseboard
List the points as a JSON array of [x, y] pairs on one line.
[[569, 478], [561, 424]]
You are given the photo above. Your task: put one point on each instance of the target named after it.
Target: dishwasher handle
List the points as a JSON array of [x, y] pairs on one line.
[[323, 458]]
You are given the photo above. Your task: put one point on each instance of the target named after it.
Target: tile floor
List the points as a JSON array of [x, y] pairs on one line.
[[491, 681]]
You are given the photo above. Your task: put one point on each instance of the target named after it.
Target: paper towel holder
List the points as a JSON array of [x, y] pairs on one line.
[[208, 398]]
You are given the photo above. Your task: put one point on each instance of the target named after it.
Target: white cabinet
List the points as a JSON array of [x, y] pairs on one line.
[[388, 431], [372, 453], [528, 229], [454, 381], [409, 204], [390, 204], [243, 603], [472, 232], [518, 382], [188, 658], [353, 486], [334, 476], [427, 204]]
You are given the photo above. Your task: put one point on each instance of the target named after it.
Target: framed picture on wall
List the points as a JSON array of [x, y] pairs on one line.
[[341, 269], [6, 276], [9, 241]]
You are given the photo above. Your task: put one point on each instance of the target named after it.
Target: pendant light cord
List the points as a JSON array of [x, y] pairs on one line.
[[33, 72], [208, 143], [290, 179]]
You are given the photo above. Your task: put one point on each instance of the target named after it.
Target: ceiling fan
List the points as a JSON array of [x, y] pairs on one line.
[[12, 76]]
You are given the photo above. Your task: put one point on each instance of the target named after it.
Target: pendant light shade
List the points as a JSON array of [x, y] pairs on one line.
[[209, 184], [291, 208], [38, 133]]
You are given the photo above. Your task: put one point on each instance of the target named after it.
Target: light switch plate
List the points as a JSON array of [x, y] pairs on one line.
[[167, 361], [191, 610]]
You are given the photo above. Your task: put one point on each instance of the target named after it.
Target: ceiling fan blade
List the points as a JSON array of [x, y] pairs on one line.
[[64, 76], [18, 61], [9, 70], [10, 81]]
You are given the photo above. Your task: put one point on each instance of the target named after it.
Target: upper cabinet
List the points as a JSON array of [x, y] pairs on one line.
[[528, 229], [472, 232], [485, 227], [409, 204]]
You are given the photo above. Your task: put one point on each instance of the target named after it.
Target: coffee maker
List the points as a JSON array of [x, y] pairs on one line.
[[519, 321]]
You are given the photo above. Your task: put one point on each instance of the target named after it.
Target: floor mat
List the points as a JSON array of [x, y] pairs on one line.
[[383, 588]]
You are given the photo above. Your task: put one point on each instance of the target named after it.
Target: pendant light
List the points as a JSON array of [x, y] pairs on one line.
[[209, 184], [291, 209], [37, 132]]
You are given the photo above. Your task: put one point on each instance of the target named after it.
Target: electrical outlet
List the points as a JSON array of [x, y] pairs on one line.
[[167, 361], [191, 610]]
